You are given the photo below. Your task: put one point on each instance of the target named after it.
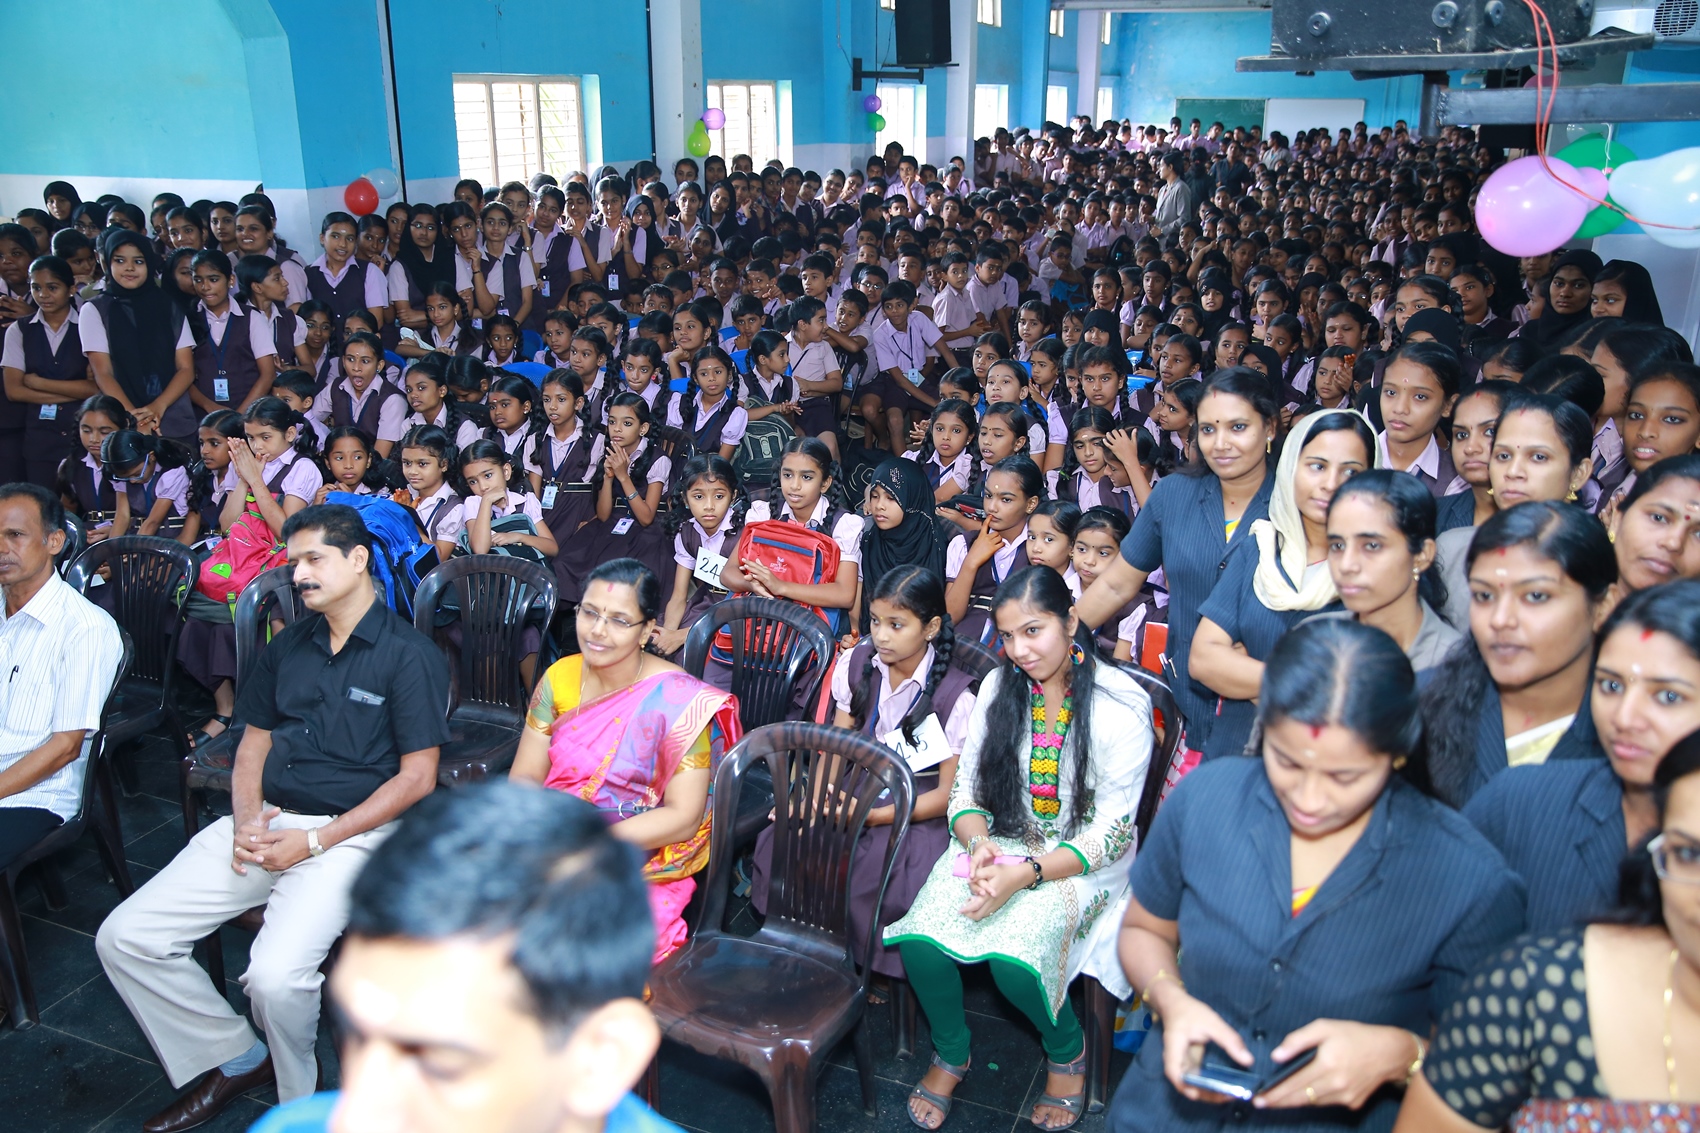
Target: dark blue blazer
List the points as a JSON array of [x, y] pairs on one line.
[[1181, 529], [1560, 827], [1456, 510], [1389, 938], [1236, 608], [1579, 742]]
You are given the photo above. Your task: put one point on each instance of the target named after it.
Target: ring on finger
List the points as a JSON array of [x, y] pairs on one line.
[[1310, 1094]]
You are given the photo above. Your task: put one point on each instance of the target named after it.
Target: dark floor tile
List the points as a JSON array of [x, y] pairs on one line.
[[51, 1082], [838, 1108], [1089, 1123], [242, 1113], [95, 1012], [60, 961], [156, 848], [711, 1094], [92, 895]]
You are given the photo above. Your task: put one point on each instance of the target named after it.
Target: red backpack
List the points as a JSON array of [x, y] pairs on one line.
[[793, 553], [242, 556]]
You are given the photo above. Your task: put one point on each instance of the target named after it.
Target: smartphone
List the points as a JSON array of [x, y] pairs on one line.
[[1221, 1074]]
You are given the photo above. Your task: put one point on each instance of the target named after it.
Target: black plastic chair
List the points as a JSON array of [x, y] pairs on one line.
[[780, 654], [76, 542], [496, 597], [778, 1002], [1100, 1020], [206, 769], [99, 813], [146, 592]]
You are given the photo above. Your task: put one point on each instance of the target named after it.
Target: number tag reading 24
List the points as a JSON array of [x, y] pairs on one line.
[[708, 568]]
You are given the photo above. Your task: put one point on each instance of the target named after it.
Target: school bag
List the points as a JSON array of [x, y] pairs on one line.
[[248, 551], [794, 553], [397, 538], [757, 460], [515, 521]]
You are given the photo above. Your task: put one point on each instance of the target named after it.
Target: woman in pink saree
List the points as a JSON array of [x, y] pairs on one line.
[[635, 736]]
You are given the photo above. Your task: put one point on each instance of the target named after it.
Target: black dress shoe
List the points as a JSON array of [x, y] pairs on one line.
[[208, 1098]]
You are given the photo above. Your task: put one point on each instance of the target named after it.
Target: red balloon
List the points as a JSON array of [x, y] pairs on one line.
[[361, 197]]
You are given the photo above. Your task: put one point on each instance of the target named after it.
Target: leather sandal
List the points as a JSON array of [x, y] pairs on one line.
[[200, 736], [1075, 1104], [939, 1101]]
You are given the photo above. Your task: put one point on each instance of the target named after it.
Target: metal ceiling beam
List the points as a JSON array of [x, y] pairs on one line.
[[1161, 5], [1640, 102]]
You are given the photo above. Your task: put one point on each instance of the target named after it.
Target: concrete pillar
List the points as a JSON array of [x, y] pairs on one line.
[[1087, 42], [676, 93], [959, 87], [1035, 64]]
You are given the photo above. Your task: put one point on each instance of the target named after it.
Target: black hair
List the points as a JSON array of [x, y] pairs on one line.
[[58, 269], [763, 345], [1335, 671], [1019, 424], [52, 508], [717, 469], [963, 412], [1568, 378], [631, 572], [338, 524], [1063, 514], [1414, 513], [298, 382], [376, 475], [536, 421], [626, 399], [440, 444], [126, 449], [1453, 700], [1638, 347], [498, 861], [920, 591], [1438, 359], [1575, 428], [1002, 784], [274, 411], [1105, 519], [1025, 471], [1515, 354], [1684, 467]]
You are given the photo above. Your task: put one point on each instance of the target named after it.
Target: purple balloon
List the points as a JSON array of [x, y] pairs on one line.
[[1523, 211], [872, 103], [714, 118]]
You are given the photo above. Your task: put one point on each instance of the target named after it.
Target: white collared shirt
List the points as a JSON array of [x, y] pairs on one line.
[[847, 532], [259, 330], [894, 703], [1428, 461], [375, 286], [12, 353], [1002, 559], [58, 656]]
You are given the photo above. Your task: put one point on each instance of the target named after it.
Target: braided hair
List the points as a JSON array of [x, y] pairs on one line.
[[714, 469], [920, 591]]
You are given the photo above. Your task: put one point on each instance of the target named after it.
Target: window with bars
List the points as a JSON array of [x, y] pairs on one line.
[[989, 12], [752, 120], [1059, 20], [509, 127]]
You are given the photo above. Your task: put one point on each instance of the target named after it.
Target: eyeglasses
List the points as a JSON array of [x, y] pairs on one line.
[[1678, 863], [592, 617]]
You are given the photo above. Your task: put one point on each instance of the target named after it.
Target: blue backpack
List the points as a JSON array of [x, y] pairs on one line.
[[400, 544]]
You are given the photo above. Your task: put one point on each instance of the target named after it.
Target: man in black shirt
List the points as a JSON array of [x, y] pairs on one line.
[[1232, 172], [345, 712]]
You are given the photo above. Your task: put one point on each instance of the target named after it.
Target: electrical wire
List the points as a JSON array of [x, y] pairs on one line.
[[1543, 122]]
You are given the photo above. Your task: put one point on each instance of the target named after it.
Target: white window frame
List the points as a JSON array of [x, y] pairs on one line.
[[713, 91], [888, 5], [1059, 22], [1056, 95], [1104, 29], [999, 111], [910, 134], [989, 12], [1106, 104], [535, 157]]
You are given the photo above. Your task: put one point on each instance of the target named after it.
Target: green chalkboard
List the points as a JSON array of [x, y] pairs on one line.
[[1231, 112]]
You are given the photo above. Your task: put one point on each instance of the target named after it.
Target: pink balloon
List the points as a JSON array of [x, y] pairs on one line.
[[714, 118], [1523, 211]]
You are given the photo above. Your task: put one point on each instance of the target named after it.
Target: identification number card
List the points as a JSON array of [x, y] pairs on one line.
[[549, 494], [929, 749], [914, 375], [221, 389], [624, 525], [708, 568], [49, 413]]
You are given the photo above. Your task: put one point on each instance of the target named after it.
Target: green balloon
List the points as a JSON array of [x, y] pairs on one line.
[[698, 142], [876, 122], [1594, 152]]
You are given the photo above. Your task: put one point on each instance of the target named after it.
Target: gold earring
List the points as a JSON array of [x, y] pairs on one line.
[[1490, 493], [1269, 445], [1571, 498], [1416, 574]]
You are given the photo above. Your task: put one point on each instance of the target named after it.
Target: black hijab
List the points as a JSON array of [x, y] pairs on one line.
[[914, 542], [1552, 326], [141, 323], [1641, 301], [1441, 325], [440, 267]]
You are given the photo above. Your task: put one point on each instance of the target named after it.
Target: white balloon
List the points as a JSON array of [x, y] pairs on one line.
[[1664, 190], [383, 180]]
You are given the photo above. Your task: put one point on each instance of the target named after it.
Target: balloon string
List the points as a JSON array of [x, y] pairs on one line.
[[1543, 124]]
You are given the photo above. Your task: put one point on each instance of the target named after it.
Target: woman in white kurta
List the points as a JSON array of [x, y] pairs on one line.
[[1042, 845]]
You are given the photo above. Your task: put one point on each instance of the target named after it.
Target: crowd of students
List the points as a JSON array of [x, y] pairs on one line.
[[1212, 403]]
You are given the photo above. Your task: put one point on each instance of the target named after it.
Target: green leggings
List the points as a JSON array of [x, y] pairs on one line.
[[936, 978]]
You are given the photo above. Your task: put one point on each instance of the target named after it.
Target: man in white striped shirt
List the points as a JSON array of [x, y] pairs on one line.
[[58, 655]]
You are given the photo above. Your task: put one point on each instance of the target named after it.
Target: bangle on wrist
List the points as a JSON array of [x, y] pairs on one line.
[[1416, 1066], [976, 840], [1038, 873], [1162, 974]]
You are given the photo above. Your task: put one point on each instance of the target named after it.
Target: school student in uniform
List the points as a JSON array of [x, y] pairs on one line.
[[237, 361], [427, 454], [45, 370], [255, 227], [363, 398], [1418, 389], [261, 288], [139, 345], [551, 253], [432, 402], [974, 569], [508, 271], [341, 280], [712, 419], [424, 259]]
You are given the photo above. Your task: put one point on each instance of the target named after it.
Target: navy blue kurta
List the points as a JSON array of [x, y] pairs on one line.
[[1560, 826], [1181, 529], [1389, 938], [1579, 741]]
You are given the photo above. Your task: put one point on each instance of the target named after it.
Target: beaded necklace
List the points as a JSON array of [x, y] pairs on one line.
[[1042, 769]]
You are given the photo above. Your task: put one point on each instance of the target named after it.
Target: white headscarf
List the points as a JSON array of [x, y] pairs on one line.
[[1282, 548]]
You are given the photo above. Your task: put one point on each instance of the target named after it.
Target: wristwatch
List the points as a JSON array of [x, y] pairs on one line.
[[313, 847]]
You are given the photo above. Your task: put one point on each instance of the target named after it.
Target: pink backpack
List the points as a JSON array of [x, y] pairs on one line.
[[247, 552]]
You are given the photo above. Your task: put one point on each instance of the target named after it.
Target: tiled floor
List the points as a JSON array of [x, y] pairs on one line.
[[87, 1066]]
